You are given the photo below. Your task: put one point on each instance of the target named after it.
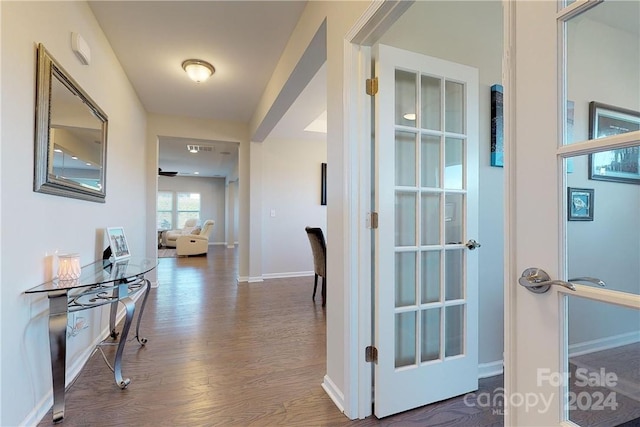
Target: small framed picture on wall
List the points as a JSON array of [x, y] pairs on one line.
[[580, 204]]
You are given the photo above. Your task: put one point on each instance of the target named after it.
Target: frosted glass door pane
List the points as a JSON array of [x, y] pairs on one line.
[[454, 163], [430, 161], [454, 107], [405, 278], [431, 103], [406, 159], [430, 348], [453, 284], [454, 330], [430, 276], [405, 339], [430, 219], [405, 98], [453, 217], [405, 232]]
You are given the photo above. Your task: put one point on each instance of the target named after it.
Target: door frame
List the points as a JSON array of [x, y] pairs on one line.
[[374, 22]]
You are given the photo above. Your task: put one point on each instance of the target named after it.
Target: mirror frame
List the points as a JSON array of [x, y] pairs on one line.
[[45, 180]]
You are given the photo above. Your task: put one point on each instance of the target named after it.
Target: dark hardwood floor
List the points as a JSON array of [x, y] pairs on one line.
[[228, 354]]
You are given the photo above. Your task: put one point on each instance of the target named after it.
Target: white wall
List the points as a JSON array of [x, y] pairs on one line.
[[33, 225], [212, 199], [607, 247], [341, 331], [291, 189], [470, 33]]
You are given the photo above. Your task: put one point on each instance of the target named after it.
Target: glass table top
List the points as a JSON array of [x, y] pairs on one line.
[[102, 272]]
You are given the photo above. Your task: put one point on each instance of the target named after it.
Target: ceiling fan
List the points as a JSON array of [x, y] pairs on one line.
[[167, 173]]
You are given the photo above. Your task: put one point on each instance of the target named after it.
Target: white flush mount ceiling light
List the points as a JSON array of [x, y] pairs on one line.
[[198, 70], [409, 116]]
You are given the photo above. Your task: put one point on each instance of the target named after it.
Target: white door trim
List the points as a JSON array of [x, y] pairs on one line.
[[376, 19], [508, 75]]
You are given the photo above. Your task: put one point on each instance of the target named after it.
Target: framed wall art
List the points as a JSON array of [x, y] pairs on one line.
[[580, 204], [497, 126], [620, 165]]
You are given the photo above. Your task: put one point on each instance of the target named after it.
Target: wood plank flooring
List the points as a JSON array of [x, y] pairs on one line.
[[228, 354]]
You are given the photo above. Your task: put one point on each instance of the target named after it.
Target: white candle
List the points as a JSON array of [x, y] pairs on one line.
[[68, 266]]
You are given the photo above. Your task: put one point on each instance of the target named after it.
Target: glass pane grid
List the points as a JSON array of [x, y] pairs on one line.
[[423, 314]]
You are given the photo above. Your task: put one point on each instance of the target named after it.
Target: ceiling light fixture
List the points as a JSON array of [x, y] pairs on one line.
[[409, 116], [198, 70]]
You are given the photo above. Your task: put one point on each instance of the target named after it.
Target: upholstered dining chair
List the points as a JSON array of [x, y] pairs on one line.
[[319, 250]]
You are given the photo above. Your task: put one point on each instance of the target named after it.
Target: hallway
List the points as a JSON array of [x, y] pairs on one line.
[[223, 354]]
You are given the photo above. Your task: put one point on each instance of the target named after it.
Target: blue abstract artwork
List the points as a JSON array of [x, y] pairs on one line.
[[497, 126]]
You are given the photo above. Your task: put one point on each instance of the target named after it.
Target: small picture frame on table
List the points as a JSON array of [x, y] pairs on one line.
[[580, 204], [118, 243]]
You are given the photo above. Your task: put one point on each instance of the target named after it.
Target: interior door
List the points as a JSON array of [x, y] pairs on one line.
[[426, 297], [572, 346]]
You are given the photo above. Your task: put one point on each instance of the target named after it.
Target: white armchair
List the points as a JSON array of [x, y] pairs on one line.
[[195, 244], [170, 236]]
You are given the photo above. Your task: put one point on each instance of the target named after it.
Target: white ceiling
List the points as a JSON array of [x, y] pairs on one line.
[[242, 39]]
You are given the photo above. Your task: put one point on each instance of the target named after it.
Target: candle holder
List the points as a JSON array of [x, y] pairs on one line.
[[68, 267]]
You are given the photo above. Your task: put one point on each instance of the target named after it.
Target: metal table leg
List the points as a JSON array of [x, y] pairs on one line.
[[58, 348], [113, 314], [147, 284], [129, 307]]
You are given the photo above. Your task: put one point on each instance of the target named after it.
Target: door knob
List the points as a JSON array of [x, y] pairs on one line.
[[539, 282], [472, 244]]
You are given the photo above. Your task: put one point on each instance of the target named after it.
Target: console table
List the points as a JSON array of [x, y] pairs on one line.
[[102, 282]]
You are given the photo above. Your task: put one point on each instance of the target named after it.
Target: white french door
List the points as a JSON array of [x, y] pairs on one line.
[[572, 346], [426, 180]]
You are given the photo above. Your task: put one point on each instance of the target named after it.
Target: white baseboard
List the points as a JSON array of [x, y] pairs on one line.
[[250, 279], [73, 370], [334, 393], [491, 369], [286, 275], [603, 343], [486, 370], [217, 243]]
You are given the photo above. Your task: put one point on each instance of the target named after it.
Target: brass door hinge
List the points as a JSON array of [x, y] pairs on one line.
[[371, 354], [372, 86], [372, 220]]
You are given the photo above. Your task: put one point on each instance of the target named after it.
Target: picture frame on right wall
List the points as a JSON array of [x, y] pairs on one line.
[[622, 165], [580, 204]]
